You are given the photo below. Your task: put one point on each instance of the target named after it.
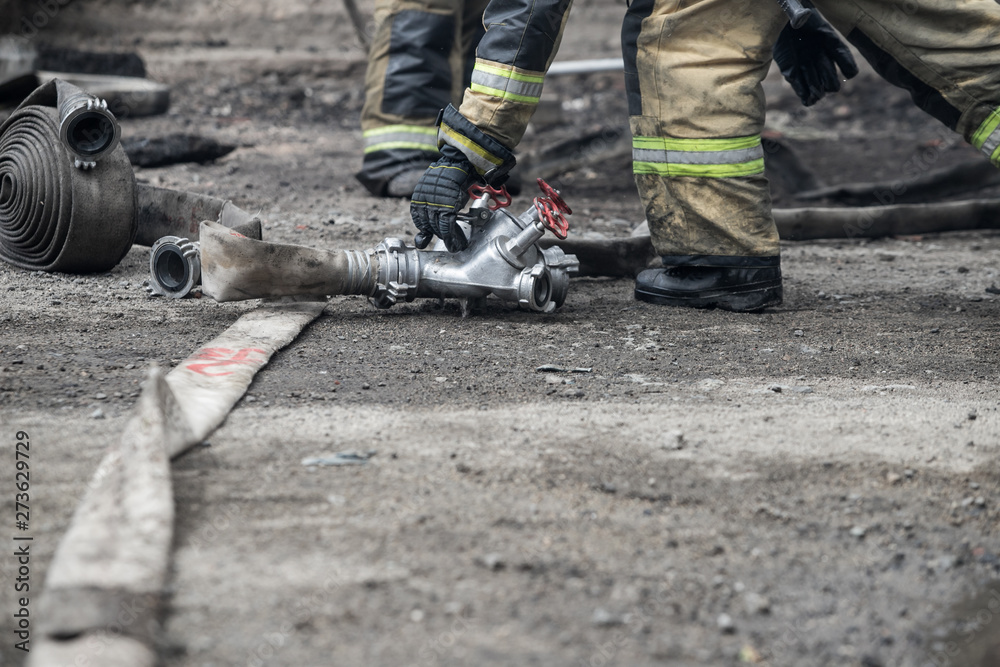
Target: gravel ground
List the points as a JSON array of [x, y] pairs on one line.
[[813, 485]]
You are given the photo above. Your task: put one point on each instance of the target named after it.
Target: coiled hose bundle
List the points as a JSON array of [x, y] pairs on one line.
[[67, 190]]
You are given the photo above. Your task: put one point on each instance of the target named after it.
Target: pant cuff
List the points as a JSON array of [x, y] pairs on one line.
[[380, 167], [722, 261]]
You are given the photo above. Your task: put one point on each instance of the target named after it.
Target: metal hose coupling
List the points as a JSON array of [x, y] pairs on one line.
[[88, 130], [174, 267]]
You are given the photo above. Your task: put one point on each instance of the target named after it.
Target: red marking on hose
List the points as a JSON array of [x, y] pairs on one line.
[[214, 357]]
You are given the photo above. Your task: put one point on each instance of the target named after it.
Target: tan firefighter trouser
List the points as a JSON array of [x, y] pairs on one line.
[[420, 60], [696, 106]]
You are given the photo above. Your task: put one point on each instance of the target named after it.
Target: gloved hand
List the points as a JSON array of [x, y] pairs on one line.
[[439, 195], [808, 59], [468, 156]]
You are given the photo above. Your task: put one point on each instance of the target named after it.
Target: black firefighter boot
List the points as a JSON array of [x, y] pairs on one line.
[[737, 288]]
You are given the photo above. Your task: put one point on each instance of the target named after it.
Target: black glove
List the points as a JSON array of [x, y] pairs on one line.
[[468, 156], [440, 194], [808, 58]]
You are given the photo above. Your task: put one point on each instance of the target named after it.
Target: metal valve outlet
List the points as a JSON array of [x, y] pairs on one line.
[[502, 258]]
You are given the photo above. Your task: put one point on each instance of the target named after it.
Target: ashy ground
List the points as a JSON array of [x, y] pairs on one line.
[[814, 485]]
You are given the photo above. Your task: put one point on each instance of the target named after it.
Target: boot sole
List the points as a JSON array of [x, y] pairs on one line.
[[750, 298]]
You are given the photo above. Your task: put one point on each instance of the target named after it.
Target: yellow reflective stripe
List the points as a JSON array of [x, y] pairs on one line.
[[673, 144], [506, 83], [401, 137], [989, 125], [509, 73], [987, 137], [700, 170], [427, 203], [702, 158], [401, 145], [480, 158], [504, 94]]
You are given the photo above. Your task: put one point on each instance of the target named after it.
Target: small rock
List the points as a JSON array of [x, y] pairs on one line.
[[97, 414], [726, 624], [945, 563], [366, 386], [492, 561], [440, 378], [973, 415], [980, 501], [100, 396], [673, 441], [858, 532], [802, 390], [417, 615], [757, 604], [602, 618], [893, 478], [799, 332]]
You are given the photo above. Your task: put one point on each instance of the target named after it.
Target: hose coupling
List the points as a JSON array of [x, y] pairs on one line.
[[174, 267]]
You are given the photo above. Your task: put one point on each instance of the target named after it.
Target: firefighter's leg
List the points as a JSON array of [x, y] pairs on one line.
[[472, 31], [415, 69], [693, 71], [946, 53]]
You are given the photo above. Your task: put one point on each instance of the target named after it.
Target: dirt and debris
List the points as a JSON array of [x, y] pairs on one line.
[[667, 507]]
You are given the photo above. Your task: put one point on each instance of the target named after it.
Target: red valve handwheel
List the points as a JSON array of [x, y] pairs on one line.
[[553, 194], [552, 217], [500, 196]]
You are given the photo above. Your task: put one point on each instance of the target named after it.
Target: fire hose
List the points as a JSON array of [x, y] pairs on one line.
[[67, 191], [68, 197]]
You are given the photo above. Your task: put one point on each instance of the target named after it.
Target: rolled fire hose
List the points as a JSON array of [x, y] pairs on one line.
[[67, 191]]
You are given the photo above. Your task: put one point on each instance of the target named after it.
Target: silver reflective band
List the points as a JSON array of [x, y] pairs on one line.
[[506, 84], [419, 139], [735, 156], [992, 143]]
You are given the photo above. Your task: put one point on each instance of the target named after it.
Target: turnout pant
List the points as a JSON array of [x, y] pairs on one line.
[[693, 72], [421, 60]]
